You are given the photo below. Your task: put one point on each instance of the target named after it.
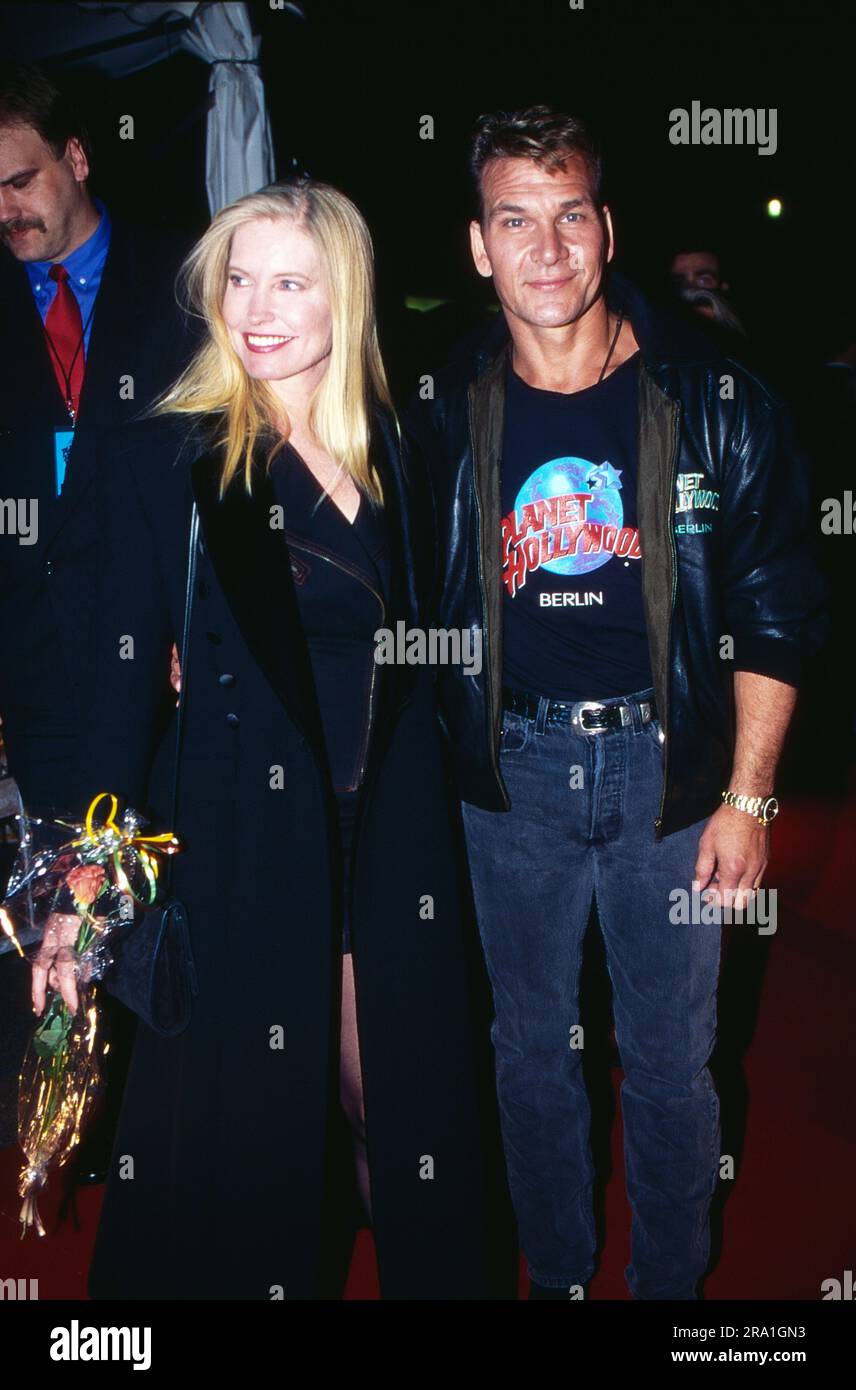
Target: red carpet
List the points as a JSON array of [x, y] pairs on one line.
[[789, 1223]]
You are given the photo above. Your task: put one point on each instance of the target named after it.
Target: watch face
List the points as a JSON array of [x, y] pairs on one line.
[[770, 808]]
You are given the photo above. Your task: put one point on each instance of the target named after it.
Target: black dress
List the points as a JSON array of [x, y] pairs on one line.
[[341, 573]]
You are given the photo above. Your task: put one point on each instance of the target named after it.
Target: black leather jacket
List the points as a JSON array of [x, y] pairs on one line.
[[751, 576]]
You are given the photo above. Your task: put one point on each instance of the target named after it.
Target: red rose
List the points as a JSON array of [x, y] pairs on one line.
[[85, 883]]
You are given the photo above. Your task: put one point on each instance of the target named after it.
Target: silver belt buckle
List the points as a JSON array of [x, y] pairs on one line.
[[577, 710]]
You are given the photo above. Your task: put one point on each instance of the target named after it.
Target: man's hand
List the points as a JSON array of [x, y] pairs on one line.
[[54, 964], [734, 850], [733, 854]]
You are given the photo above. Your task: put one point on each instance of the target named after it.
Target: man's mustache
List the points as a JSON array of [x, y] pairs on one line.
[[21, 224]]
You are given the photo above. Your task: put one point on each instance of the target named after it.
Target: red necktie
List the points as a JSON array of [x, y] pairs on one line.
[[64, 328]]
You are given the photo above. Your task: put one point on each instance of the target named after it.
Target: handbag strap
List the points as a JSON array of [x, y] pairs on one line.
[[185, 647]]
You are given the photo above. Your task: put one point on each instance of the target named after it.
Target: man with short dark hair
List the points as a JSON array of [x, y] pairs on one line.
[[89, 334], [624, 517]]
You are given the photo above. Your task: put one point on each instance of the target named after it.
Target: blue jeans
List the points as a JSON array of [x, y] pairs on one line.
[[582, 823]]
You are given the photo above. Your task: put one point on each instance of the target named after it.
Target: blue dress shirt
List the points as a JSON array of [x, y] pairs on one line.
[[84, 266]]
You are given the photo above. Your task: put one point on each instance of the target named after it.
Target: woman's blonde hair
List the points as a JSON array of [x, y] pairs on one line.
[[215, 379]]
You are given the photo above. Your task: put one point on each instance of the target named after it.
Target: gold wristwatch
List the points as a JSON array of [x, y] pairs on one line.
[[763, 808]]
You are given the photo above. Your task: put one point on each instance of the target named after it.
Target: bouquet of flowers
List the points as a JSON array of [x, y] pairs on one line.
[[76, 885]]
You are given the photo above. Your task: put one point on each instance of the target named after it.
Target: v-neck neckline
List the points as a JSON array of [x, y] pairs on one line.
[[322, 489], [363, 541]]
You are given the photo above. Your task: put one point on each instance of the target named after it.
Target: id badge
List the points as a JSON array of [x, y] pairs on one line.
[[62, 448]]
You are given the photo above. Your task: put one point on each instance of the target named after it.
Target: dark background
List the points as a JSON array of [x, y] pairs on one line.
[[347, 85]]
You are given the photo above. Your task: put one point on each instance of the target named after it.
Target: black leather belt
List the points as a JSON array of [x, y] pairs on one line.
[[587, 716]]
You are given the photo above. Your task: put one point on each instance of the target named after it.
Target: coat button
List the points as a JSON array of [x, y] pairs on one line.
[[226, 679], [233, 720], [214, 638], [202, 588], [48, 566]]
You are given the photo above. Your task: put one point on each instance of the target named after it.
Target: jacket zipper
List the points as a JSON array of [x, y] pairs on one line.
[[296, 543], [658, 823], [494, 736]]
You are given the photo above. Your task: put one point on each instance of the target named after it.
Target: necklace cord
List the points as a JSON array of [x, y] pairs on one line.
[[615, 336]]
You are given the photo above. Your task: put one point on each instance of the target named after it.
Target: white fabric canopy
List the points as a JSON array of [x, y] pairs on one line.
[[239, 149]]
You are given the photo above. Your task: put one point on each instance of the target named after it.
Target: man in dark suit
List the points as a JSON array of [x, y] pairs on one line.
[[89, 335]]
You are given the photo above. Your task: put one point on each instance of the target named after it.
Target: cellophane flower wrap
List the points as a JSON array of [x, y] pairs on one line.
[[75, 885]]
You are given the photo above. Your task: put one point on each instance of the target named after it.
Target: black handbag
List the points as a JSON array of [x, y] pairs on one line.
[[153, 971]]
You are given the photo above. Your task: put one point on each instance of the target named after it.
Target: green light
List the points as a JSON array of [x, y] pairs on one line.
[[774, 207], [423, 304]]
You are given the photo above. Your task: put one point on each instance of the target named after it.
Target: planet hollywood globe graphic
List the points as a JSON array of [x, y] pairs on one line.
[[561, 476]]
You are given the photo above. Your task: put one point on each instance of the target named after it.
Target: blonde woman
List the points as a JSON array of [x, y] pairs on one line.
[[321, 874]]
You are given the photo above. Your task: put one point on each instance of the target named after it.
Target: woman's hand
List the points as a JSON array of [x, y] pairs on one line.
[[175, 671], [54, 964]]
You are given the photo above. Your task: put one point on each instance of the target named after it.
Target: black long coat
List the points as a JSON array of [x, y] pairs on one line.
[[233, 1140]]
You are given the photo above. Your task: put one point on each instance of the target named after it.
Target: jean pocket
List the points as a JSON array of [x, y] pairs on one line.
[[654, 733], [514, 735]]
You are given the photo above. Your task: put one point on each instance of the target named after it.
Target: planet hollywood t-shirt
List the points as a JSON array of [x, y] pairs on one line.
[[573, 621]]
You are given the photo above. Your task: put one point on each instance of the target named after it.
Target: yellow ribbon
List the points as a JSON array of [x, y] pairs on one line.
[[127, 839]]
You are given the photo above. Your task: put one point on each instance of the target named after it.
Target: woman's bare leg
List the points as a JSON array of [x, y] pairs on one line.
[[351, 1087]]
